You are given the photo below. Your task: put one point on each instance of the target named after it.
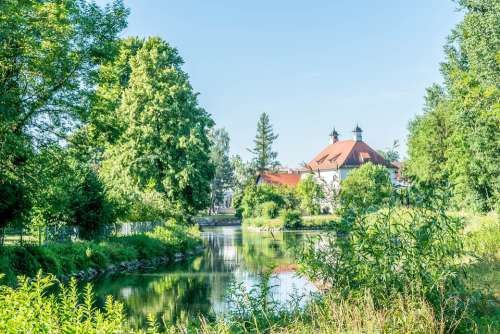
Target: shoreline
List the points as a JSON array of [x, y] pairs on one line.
[[91, 274]]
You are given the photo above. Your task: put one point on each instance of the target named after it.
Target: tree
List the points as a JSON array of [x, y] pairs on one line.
[[428, 140], [49, 56], [366, 189], [223, 176], [50, 52], [164, 148], [91, 210], [244, 176], [264, 156], [456, 140], [310, 195], [391, 154]]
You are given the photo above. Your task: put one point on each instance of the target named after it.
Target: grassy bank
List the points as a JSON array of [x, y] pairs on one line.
[[70, 257], [305, 222], [482, 275], [253, 313]]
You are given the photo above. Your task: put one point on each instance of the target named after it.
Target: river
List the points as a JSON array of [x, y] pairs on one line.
[[200, 285]]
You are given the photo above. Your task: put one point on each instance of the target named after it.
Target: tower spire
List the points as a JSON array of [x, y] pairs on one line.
[[357, 133], [334, 136]]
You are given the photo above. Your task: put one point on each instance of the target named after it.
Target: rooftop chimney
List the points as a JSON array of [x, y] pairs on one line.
[[334, 136], [357, 133]]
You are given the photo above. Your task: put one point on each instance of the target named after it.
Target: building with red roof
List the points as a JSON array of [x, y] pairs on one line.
[[333, 163], [340, 157], [287, 179]]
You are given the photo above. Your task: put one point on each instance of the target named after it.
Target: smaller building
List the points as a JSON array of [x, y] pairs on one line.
[[290, 179]]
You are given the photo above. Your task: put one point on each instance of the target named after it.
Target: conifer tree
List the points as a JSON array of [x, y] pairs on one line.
[[264, 156]]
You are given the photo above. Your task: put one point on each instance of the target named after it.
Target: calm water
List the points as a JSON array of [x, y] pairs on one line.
[[200, 285]]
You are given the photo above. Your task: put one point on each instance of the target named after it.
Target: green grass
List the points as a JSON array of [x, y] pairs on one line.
[[482, 272], [308, 222], [70, 257], [217, 217], [329, 314]]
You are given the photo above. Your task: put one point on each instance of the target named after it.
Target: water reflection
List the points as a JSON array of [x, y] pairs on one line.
[[185, 290]]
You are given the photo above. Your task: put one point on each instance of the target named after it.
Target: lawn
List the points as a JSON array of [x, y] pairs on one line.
[[307, 222]]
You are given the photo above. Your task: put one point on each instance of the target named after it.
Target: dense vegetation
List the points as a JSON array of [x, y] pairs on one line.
[[366, 189], [455, 142], [71, 257], [95, 129]]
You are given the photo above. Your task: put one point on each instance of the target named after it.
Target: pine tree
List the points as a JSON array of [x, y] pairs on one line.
[[264, 156]]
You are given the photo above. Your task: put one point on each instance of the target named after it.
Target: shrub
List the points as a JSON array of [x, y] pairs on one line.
[[255, 195], [30, 308], [68, 257], [388, 252], [366, 189], [92, 211], [269, 210], [310, 195], [290, 218]]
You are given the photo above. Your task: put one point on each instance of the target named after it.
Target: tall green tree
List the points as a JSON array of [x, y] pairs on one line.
[[265, 158], [164, 149], [223, 178], [428, 140], [462, 148], [50, 52]]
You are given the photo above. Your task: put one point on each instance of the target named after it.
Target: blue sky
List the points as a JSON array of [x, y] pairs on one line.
[[310, 65]]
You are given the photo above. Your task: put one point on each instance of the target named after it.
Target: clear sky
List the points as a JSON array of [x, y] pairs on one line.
[[311, 65]]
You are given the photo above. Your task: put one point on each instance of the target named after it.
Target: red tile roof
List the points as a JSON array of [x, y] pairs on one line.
[[347, 153], [286, 179]]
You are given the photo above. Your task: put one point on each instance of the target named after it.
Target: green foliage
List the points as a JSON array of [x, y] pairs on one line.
[[389, 252], [255, 195], [49, 55], [310, 195], [455, 142], [164, 148], [13, 201], [30, 308], [67, 258], [366, 188], [391, 154], [224, 175], [291, 219], [264, 156], [255, 311], [92, 212], [269, 210]]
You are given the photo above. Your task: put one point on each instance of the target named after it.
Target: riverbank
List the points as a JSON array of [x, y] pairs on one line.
[[218, 220], [330, 314], [85, 260], [317, 222], [408, 313]]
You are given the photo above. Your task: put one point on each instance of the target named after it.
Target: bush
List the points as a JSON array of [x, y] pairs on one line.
[[30, 308], [269, 210], [389, 252], [366, 189], [256, 195], [67, 257], [290, 218], [92, 211], [310, 195]]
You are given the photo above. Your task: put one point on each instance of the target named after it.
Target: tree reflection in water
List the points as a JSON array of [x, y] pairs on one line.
[[181, 292]]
